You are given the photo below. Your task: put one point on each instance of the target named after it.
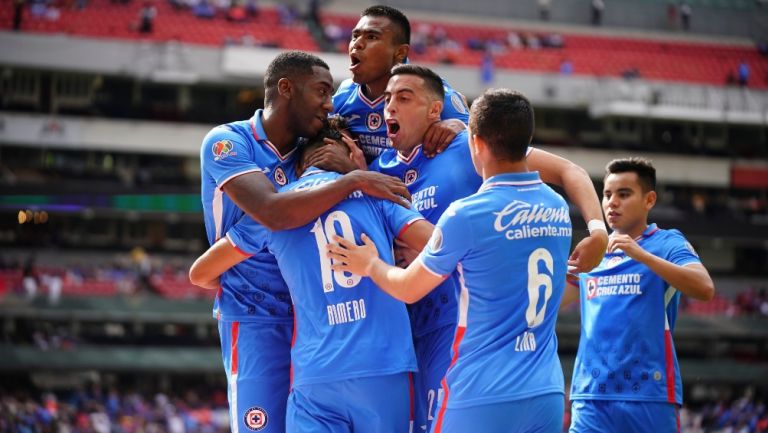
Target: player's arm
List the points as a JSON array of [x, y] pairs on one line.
[[578, 187], [571, 290], [440, 135], [408, 285], [215, 261], [692, 279], [255, 195]]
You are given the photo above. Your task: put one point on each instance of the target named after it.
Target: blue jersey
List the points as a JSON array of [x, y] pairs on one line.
[[252, 290], [434, 183], [346, 327], [366, 117], [627, 317], [510, 243]]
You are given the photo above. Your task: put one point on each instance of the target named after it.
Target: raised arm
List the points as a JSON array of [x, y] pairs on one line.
[[408, 285], [578, 187], [256, 196]]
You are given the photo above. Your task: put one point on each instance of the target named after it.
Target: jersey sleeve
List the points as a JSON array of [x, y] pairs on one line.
[[679, 250], [397, 217], [225, 155], [449, 243], [248, 236], [454, 106]]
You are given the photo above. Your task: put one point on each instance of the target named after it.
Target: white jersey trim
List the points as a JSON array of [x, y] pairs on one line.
[[368, 102], [224, 182], [463, 298]]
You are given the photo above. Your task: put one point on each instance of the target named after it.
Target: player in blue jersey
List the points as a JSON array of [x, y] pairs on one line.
[[413, 102], [242, 164], [626, 377], [352, 350], [380, 40], [509, 243]]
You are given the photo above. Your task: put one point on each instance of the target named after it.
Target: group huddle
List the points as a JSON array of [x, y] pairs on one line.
[[388, 260]]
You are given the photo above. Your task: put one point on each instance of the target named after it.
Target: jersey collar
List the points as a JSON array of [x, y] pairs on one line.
[[410, 158], [649, 231], [257, 130], [512, 179], [310, 171]]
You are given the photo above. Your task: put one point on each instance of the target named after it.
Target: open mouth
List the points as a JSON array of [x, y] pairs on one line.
[[354, 61], [392, 128]]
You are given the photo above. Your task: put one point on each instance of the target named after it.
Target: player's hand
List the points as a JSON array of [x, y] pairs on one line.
[[349, 257], [355, 153], [589, 252], [382, 186], [404, 255], [439, 136], [625, 243], [331, 157]]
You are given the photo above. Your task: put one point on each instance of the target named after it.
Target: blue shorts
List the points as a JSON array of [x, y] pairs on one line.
[[379, 404], [433, 354], [597, 416], [541, 414], [257, 359]]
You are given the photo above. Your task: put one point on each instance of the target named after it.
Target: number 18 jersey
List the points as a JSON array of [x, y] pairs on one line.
[[510, 243], [345, 326]]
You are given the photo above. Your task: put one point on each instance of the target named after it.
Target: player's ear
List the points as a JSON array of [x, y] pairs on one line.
[[435, 109], [401, 53], [650, 199], [285, 87]]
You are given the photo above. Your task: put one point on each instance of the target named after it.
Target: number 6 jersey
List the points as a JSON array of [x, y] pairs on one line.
[[510, 243], [345, 326]]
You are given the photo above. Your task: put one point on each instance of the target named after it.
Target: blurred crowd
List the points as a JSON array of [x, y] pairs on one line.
[[97, 410], [114, 411]]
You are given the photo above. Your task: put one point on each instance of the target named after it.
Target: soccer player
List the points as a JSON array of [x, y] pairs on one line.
[[353, 351], [626, 377], [242, 164], [414, 98], [509, 243], [380, 40]]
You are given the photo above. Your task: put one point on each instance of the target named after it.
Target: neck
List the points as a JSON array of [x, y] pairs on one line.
[[376, 88], [500, 166], [279, 131]]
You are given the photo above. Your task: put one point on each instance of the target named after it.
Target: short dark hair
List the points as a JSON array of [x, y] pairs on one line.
[[332, 129], [398, 18], [646, 173], [433, 81], [289, 65], [504, 119]]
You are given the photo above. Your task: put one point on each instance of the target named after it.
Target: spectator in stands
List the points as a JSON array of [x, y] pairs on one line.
[[147, 16], [544, 9], [597, 12], [203, 9], [685, 16], [252, 8], [566, 67], [743, 73], [29, 279], [18, 13]]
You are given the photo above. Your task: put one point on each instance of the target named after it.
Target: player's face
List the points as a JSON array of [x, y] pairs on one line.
[[373, 50], [625, 205], [407, 111], [312, 102]]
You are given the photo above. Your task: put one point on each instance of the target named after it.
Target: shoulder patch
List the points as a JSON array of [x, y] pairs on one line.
[[458, 103], [222, 149]]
